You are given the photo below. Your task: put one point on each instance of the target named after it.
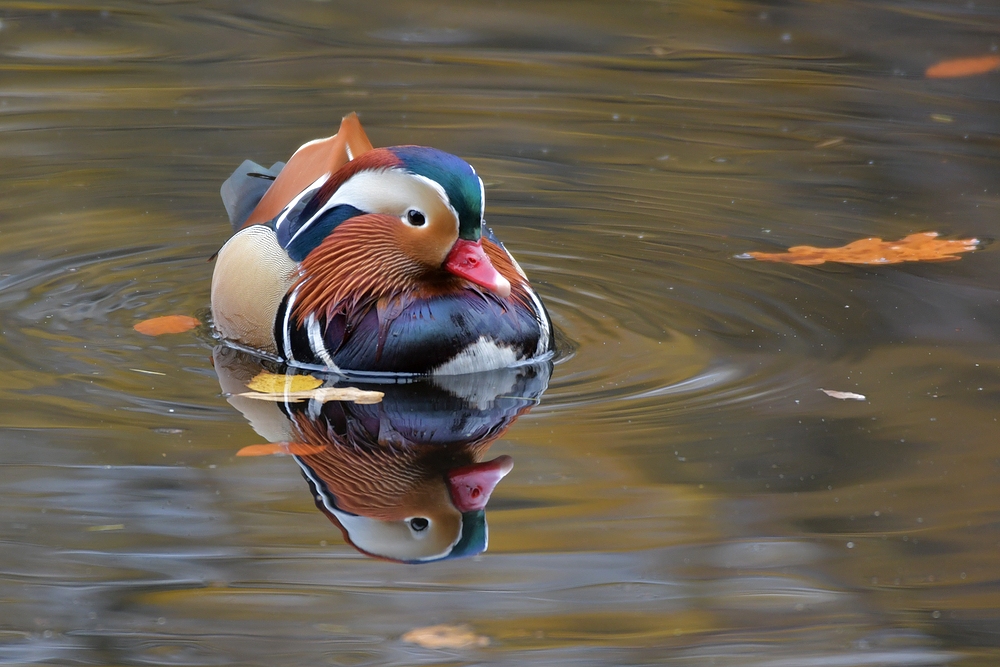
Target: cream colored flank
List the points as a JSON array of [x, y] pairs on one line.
[[252, 275]]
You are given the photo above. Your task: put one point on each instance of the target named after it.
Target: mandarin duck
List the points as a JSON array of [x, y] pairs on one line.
[[353, 258], [403, 479]]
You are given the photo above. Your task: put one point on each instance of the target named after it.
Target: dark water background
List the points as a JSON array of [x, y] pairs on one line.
[[684, 494]]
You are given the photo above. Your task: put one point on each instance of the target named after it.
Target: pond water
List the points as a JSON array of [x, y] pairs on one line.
[[681, 493]]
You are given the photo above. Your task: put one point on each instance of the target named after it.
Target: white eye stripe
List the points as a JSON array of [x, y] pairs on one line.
[[434, 185], [391, 191]]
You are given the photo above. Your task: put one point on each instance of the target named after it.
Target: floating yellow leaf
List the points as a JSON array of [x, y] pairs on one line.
[[949, 69], [168, 324], [295, 388], [445, 636], [323, 394], [274, 383], [923, 247], [272, 448]]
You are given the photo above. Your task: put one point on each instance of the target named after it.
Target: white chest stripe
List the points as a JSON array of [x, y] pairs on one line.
[[318, 345], [544, 326], [286, 325]]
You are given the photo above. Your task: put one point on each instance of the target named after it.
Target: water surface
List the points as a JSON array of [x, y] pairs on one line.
[[683, 492]]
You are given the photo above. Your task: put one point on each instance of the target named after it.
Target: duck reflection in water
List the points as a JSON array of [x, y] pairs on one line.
[[404, 479]]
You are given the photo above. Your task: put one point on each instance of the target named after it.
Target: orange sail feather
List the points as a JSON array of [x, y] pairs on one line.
[[319, 157]]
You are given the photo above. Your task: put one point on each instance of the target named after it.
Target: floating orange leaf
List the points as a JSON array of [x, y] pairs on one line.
[[445, 636], [272, 448], [923, 247], [949, 69], [168, 324]]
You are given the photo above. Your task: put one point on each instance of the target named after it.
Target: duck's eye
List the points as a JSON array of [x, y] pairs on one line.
[[415, 217], [419, 524]]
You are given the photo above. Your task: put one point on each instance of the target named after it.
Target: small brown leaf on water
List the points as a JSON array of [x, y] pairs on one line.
[[950, 69], [843, 395], [168, 324], [275, 382], [272, 448], [922, 247], [445, 636]]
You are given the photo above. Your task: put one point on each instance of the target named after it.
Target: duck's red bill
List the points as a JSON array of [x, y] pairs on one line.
[[468, 260], [471, 486]]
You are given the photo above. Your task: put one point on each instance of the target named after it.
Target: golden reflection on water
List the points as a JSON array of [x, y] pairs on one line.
[[684, 492]]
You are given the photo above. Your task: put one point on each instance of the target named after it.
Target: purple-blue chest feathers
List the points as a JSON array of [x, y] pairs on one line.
[[424, 336], [463, 326]]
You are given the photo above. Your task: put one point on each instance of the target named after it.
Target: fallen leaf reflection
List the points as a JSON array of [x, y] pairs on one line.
[[922, 247], [286, 448], [445, 636], [168, 324]]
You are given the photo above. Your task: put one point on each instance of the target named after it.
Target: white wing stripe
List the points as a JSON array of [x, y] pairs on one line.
[[317, 184]]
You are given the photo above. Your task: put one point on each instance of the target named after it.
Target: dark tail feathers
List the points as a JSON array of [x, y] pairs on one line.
[[243, 190]]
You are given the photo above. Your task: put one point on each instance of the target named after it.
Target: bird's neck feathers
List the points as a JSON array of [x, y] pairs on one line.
[[506, 268], [362, 263]]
